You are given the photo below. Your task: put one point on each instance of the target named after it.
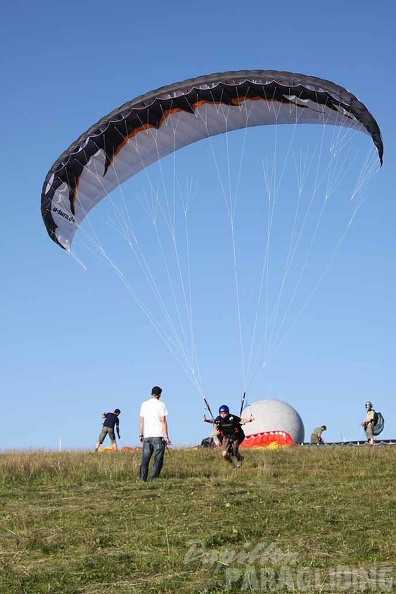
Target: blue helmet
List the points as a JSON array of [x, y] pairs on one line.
[[224, 408]]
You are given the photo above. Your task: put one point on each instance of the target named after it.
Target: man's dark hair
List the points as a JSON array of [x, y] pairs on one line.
[[156, 391], [117, 411]]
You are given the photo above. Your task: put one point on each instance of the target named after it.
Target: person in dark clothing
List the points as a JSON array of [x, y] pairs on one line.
[[110, 422], [230, 428]]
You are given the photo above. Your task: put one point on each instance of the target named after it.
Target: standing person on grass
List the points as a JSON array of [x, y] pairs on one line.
[[369, 422], [230, 427], [110, 422], [153, 433]]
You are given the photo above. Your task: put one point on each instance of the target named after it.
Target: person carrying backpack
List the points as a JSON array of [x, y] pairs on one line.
[[229, 427], [369, 422]]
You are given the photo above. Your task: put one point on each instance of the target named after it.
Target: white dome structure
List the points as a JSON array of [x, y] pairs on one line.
[[273, 415]]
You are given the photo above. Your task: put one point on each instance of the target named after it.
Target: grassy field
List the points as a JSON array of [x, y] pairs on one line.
[[318, 519]]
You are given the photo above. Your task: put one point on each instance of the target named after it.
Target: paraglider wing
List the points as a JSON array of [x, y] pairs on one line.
[[268, 439], [156, 124]]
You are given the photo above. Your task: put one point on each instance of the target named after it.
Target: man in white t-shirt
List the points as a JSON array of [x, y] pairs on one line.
[[153, 433]]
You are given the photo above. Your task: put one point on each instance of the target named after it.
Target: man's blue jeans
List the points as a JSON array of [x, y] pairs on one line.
[[156, 446]]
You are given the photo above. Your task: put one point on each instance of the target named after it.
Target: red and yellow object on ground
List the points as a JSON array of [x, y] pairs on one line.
[[267, 439], [123, 449]]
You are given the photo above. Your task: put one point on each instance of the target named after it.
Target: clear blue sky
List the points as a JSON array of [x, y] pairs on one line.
[[73, 344]]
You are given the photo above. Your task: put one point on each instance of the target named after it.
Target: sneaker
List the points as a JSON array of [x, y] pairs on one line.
[[241, 459]]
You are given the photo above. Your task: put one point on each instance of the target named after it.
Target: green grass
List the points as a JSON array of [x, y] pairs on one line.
[[83, 523]]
